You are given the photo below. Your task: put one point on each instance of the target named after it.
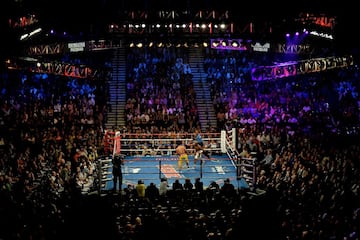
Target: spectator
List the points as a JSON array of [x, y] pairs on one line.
[[164, 185], [177, 185], [140, 189], [152, 192], [188, 185], [199, 185], [228, 189]]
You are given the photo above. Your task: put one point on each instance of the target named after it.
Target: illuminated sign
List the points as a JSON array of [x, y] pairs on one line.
[[300, 67], [258, 47], [76, 47], [294, 48]]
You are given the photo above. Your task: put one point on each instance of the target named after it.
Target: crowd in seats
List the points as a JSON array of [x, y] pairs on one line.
[[321, 102], [52, 131], [160, 92], [304, 131], [187, 211]]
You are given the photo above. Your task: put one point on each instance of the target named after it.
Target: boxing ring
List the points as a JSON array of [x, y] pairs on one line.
[[151, 157]]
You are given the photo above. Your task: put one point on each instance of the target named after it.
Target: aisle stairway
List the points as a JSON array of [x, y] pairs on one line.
[[117, 91], [204, 101]]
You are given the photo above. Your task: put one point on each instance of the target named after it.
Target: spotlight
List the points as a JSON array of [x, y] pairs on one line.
[[215, 44], [235, 44]]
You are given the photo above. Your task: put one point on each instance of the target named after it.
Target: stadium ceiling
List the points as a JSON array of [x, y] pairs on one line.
[[93, 18]]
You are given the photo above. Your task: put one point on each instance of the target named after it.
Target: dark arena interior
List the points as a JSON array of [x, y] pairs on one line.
[[141, 119]]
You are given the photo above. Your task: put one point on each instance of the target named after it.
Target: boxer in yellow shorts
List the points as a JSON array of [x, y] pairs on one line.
[[183, 156]]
